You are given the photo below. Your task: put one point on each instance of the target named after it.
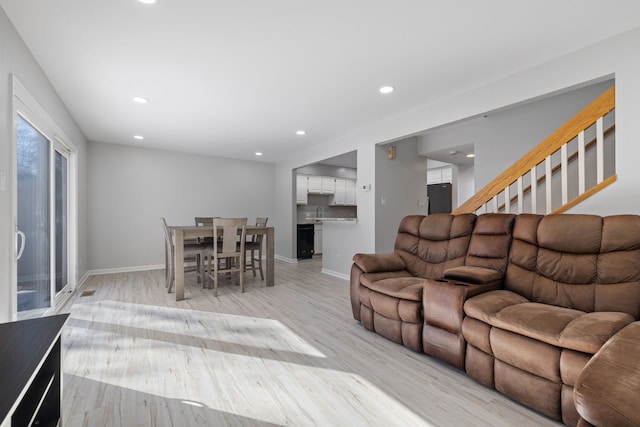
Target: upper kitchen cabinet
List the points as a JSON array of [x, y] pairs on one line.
[[301, 189], [345, 194], [328, 185], [314, 185]]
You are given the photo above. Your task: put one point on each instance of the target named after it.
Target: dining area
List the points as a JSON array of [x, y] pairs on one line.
[[218, 247]]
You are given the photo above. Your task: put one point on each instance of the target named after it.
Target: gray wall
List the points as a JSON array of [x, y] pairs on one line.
[[402, 182], [502, 137], [131, 188], [15, 58], [328, 170], [616, 56]]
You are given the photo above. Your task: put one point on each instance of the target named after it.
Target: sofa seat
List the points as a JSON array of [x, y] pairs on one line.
[[558, 326], [534, 352], [392, 307]]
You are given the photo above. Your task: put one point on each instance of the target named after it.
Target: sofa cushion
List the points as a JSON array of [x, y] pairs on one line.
[[407, 288], [558, 326], [485, 306], [583, 262], [431, 244], [367, 279], [477, 275], [589, 332]]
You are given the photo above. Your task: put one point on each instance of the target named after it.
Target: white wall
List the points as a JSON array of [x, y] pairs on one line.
[[402, 182], [329, 170], [131, 188], [465, 184], [617, 57], [504, 136], [15, 58]]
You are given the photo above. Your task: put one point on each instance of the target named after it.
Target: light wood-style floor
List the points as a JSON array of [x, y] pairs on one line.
[[289, 355]]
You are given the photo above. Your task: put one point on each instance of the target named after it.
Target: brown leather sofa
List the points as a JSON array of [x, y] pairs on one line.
[[386, 289], [531, 301]]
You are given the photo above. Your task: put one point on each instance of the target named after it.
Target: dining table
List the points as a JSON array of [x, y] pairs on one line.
[[184, 232]]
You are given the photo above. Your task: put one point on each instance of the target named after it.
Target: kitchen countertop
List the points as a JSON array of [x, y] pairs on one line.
[[321, 220]]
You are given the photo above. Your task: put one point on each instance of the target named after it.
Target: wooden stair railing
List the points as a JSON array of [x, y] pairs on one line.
[[487, 199], [558, 167]]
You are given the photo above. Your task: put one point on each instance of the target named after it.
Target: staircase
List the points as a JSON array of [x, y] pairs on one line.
[[573, 163]]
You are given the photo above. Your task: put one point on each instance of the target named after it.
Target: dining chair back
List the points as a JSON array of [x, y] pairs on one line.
[[254, 248], [229, 235]]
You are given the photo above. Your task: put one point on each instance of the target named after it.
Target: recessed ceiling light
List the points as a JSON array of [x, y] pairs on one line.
[[471, 155], [147, 1], [258, 153], [140, 137], [387, 89], [301, 132], [140, 99], [454, 152]]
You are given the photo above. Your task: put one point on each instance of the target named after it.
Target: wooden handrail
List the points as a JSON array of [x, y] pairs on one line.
[[565, 133], [556, 168]]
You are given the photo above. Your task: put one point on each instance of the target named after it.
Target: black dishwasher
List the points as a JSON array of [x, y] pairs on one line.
[[305, 241]]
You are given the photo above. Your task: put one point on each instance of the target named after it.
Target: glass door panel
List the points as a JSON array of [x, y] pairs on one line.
[[34, 267], [61, 221]]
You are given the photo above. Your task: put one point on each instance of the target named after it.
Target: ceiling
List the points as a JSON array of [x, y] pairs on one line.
[[236, 77]]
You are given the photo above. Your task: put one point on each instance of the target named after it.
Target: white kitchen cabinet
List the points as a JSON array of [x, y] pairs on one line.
[[350, 192], [447, 175], [439, 176], [328, 185], [301, 190], [314, 185], [339, 195], [345, 194], [317, 239]]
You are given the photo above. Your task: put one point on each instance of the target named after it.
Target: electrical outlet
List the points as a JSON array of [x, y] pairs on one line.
[[338, 256]]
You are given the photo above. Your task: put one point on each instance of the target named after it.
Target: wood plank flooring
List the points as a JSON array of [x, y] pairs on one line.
[[288, 355]]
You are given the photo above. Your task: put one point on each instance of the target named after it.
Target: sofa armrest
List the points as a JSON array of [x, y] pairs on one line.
[[376, 263], [607, 390], [443, 302], [475, 275]]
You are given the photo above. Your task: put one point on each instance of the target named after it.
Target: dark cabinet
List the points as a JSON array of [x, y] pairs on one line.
[[31, 375], [305, 241]]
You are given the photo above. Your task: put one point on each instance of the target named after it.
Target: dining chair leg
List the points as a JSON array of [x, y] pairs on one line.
[[259, 261], [215, 278], [203, 270]]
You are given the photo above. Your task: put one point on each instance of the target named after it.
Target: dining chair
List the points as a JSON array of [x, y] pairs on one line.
[[255, 245], [192, 251], [229, 235]]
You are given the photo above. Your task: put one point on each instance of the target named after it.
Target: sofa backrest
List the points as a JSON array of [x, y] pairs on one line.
[[434, 243], [490, 242], [585, 262]]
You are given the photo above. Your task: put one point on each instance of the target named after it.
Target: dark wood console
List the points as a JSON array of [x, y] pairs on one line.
[[31, 375]]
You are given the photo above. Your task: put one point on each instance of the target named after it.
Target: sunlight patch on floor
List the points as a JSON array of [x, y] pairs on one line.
[[251, 367]]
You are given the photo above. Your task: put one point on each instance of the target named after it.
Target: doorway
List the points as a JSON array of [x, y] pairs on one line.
[[45, 223]]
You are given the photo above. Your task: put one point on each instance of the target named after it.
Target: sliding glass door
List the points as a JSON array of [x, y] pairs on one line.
[[61, 219], [42, 218]]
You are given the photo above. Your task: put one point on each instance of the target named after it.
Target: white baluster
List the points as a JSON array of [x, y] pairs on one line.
[[581, 164], [534, 190], [494, 203], [507, 199], [564, 174], [547, 181], [520, 196], [600, 150]]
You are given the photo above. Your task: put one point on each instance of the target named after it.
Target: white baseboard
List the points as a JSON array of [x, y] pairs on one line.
[[285, 259], [124, 269], [335, 274]]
